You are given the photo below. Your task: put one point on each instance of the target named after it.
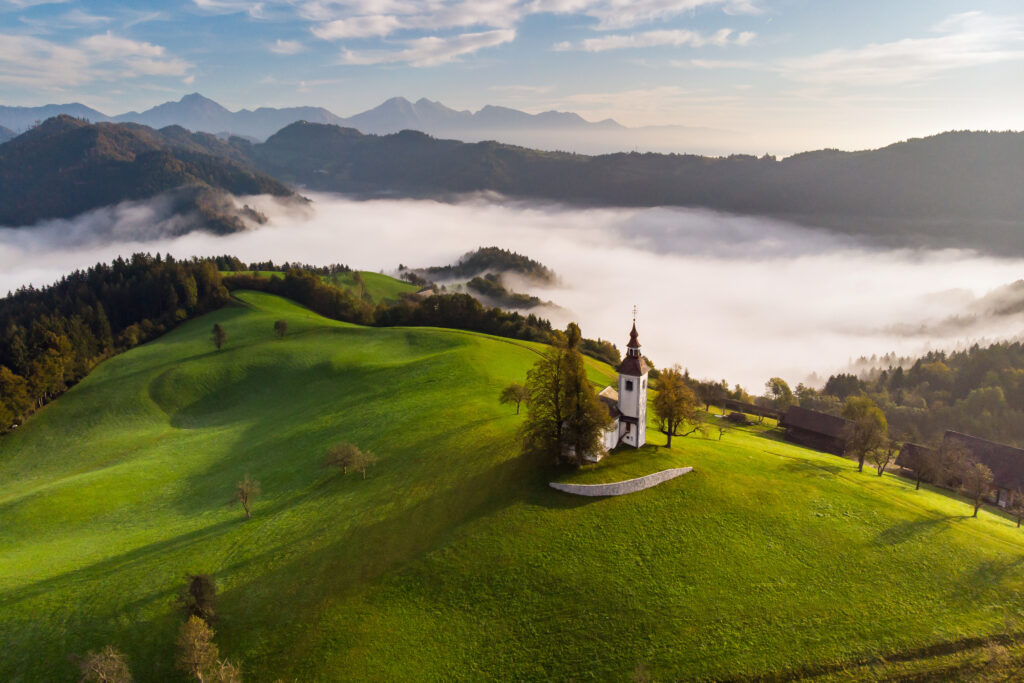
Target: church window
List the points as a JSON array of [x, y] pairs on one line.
[[629, 427], [643, 384], [629, 385]]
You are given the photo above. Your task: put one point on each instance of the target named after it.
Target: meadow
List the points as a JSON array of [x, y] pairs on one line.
[[453, 559]]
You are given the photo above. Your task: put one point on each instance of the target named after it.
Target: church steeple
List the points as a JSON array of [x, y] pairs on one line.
[[633, 347], [633, 391]]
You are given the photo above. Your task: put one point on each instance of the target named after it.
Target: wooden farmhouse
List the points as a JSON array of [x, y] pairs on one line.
[[815, 429], [1006, 462]]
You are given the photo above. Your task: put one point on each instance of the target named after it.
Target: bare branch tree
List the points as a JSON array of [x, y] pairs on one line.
[[245, 491]]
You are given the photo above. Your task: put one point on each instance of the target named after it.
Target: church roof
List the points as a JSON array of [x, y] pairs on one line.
[[634, 365], [610, 398]]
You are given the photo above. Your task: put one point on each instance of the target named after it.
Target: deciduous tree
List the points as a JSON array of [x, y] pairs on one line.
[[281, 328], [867, 429], [564, 417], [245, 490], [362, 460], [514, 393], [883, 455], [1016, 505], [197, 653], [108, 665], [778, 391], [341, 456], [976, 481], [218, 336], [675, 404]]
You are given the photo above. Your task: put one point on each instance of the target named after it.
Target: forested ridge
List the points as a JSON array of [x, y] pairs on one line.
[[66, 166], [51, 338]]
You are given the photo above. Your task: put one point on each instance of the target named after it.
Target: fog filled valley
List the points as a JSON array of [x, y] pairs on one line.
[[728, 297]]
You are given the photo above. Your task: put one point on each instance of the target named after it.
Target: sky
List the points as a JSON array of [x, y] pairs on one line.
[[788, 74]]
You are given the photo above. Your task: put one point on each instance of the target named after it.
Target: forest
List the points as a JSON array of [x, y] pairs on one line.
[[50, 338]]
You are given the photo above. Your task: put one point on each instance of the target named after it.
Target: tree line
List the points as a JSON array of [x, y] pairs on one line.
[[979, 391], [51, 337]]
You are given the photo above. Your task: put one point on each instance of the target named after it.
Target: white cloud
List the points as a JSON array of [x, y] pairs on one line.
[[32, 61], [358, 27], [619, 14], [253, 9], [962, 40], [287, 47], [676, 38], [432, 50]]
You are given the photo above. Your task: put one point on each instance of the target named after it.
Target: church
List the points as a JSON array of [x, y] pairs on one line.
[[627, 406]]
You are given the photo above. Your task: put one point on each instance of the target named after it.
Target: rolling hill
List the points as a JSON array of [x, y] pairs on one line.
[[66, 166], [454, 559]]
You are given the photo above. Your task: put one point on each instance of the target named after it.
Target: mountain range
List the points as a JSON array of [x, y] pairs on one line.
[[547, 130], [957, 189], [953, 189]]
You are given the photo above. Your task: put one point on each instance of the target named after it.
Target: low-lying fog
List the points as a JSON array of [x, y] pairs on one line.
[[725, 296]]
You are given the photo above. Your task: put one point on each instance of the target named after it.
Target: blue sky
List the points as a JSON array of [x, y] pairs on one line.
[[791, 74]]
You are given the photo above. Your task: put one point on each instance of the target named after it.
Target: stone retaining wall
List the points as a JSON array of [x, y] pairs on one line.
[[620, 488]]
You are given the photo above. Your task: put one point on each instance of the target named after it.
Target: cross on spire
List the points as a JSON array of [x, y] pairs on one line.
[[634, 314]]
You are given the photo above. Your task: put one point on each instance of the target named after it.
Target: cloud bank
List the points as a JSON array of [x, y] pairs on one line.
[[730, 297]]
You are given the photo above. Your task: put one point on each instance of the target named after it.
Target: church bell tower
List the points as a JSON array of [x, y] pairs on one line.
[[633, 393]]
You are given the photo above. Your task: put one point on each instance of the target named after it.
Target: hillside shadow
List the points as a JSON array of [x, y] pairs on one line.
[[907, 531], [807, 468], [117, 563]]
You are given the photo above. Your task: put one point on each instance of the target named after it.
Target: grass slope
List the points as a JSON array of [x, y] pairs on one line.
[[453, 559]]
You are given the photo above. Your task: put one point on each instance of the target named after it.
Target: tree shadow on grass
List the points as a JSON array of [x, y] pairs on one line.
[[908, 531], [807, 468]]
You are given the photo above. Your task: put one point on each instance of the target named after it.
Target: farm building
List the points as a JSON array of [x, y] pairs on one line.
[[751, 409], [911, 453], [815, 429], [1006, 462]]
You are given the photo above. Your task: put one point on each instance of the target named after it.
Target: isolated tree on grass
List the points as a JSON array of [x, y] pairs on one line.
[[245, 491], [281, 328], [950, 463], [923, 462], [341, 456], [362, 460], [867, 431], [514, 393], [1015, 505], [197, 653], [219, 336], [564, 417], [883, 455], [109, 665], [976, 481], [675, 404], [199, 596]]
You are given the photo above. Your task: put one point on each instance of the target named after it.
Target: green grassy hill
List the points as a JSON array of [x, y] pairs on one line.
[[453, 559]]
